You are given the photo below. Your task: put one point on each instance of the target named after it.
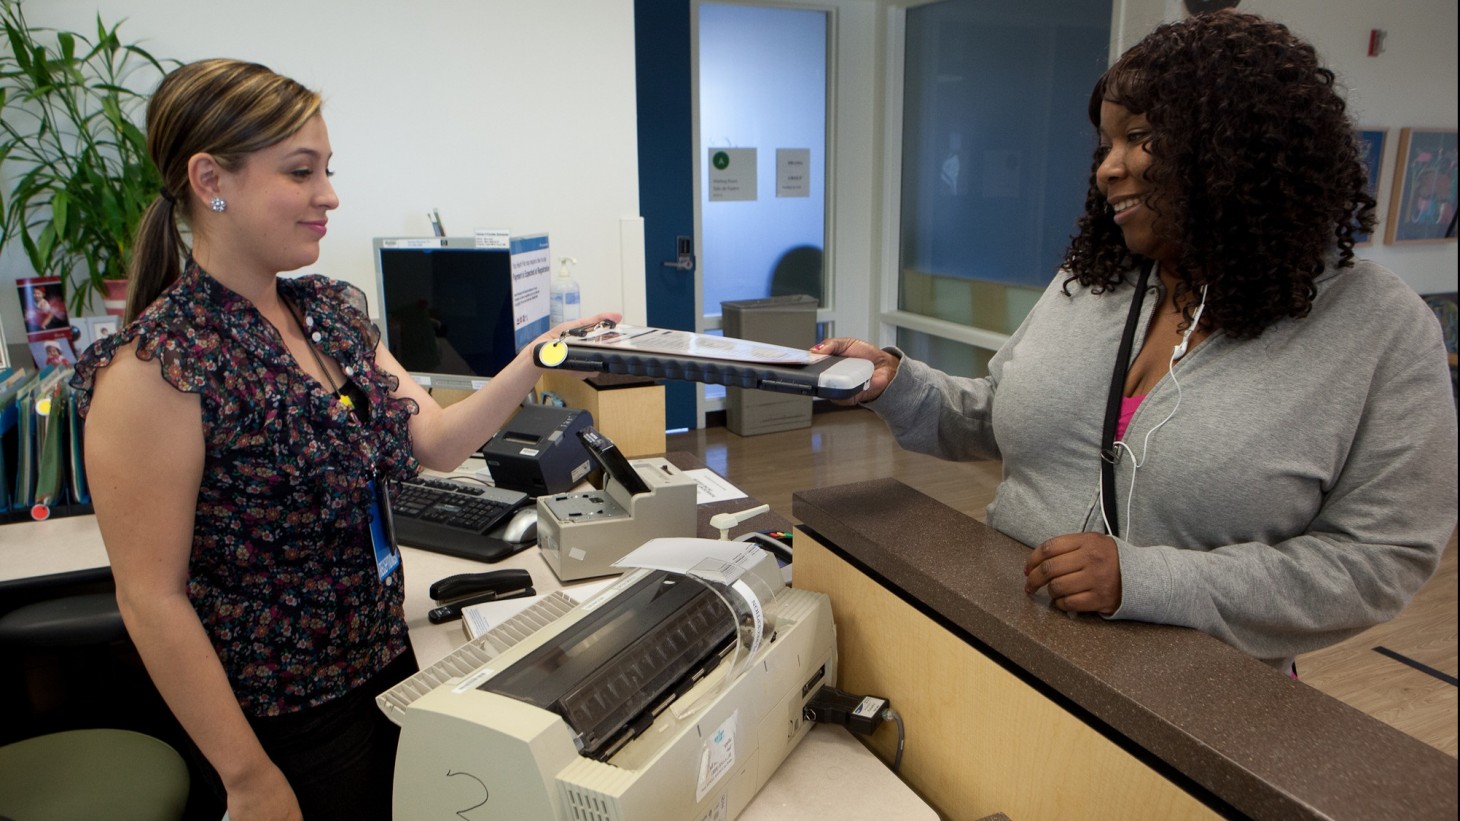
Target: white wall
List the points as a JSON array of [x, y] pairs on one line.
[[516, 114]]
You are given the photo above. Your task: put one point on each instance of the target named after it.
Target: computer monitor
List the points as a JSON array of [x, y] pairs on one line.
[[447, 308]]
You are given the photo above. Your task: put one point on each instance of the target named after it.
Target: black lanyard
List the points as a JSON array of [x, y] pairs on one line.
[[350, 395], [1109, 455]]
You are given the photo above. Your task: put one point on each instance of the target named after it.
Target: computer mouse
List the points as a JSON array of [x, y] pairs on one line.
[[522, 527]]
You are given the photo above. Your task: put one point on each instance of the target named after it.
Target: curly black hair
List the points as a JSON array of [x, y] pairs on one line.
[[1255, 161]]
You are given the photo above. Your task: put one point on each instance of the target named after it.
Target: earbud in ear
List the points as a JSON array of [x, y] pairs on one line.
[[1180, 350]]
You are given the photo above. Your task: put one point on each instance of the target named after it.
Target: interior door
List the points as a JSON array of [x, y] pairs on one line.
[[762, 72], [664, 79]]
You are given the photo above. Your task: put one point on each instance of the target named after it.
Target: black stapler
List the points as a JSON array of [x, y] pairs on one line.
[[465, 589]]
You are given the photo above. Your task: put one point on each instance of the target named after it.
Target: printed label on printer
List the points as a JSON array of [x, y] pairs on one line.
[[718, 810], [717, 758]]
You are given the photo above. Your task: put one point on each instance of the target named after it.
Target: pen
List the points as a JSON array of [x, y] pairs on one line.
[[452, 612]]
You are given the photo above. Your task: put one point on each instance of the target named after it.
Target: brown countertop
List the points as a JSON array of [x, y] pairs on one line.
[[1266, 745]]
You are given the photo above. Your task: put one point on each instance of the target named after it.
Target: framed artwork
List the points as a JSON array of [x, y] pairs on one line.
[[103, 327], [52, 348], [1371, 151], [1422, 204]]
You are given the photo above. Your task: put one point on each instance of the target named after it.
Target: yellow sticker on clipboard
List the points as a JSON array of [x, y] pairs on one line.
[[552, 354]]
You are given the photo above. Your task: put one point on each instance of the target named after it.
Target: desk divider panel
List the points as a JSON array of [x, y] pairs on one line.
[[978, 740]]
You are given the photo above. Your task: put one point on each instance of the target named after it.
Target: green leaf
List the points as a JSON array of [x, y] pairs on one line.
[[47, 242], [19, 48], [60, 205]]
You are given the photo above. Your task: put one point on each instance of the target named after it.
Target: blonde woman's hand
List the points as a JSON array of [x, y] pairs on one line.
[[560, 329], [557, 333]]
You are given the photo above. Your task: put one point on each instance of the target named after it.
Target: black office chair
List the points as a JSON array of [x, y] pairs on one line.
[[67, 621], [798, 271], [55, 632]]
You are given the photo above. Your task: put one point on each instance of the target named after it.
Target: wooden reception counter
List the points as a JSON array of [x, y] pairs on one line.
[[1014, 707]]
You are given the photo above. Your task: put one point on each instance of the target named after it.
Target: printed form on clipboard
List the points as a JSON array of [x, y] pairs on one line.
[[664, 353]]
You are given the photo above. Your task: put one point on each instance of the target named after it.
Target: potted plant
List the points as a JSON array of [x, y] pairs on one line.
[[75, 162]]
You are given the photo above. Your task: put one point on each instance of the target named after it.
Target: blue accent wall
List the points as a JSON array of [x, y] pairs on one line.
[[666, 173]]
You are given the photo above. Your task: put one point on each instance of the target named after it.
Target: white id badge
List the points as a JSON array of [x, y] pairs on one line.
[[382, 532]]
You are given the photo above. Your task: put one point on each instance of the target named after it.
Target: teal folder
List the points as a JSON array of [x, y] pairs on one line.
[[23, 490], [11, 381], [80, 492]]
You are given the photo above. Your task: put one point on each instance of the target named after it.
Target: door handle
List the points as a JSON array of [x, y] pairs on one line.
[[685, 259]]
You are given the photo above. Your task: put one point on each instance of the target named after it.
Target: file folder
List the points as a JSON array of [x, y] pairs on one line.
[[50, 435]]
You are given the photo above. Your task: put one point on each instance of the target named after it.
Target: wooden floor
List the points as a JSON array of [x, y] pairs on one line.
[[853, 445]]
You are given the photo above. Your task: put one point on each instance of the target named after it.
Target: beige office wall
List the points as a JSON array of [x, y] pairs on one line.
[[501, 113]]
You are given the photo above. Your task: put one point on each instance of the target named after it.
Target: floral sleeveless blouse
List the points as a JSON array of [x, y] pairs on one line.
[[282, 573]]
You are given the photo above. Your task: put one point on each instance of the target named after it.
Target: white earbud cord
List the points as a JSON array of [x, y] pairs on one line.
[[1137, 463]]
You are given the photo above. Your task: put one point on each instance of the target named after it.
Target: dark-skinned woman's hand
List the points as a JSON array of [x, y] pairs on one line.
[[884, 365], [1081, 572]]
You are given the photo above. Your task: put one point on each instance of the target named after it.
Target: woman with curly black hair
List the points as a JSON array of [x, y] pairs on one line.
[[1215, 416]]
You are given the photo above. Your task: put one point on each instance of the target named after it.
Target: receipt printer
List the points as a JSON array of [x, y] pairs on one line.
[[539, 451], [582, 534]]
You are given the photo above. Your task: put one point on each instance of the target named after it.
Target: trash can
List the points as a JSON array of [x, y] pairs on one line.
[[779, 320]]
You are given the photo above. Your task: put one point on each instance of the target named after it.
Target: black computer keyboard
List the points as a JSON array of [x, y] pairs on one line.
[[453, 517]]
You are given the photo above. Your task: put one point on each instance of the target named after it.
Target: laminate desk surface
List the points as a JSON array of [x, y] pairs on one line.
[[1258, 741]]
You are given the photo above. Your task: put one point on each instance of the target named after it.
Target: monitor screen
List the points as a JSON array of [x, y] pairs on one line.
[[446, 308]]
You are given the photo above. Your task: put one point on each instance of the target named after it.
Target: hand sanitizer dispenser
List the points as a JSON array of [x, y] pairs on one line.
[[564, 294]]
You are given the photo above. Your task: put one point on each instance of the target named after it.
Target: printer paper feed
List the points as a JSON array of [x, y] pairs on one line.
[[605, 671]]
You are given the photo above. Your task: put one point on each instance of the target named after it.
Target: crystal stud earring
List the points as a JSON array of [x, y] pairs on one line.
[[218, 205]]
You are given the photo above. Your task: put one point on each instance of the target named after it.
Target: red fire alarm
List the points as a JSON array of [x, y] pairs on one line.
[[1376, 42]]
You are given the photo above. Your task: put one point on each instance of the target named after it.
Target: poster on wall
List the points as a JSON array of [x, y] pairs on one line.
[[47, 328], [732, 174], [1422, 205], [532, 267], [1371, 151], [793, 172]]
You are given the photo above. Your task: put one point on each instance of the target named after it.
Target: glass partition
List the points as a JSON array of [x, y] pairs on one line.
[[996, 152]]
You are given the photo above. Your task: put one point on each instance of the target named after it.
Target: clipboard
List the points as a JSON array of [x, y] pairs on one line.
[[665, 354]]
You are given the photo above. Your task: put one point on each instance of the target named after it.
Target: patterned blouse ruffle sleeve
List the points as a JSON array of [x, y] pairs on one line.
[[183, 356]]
